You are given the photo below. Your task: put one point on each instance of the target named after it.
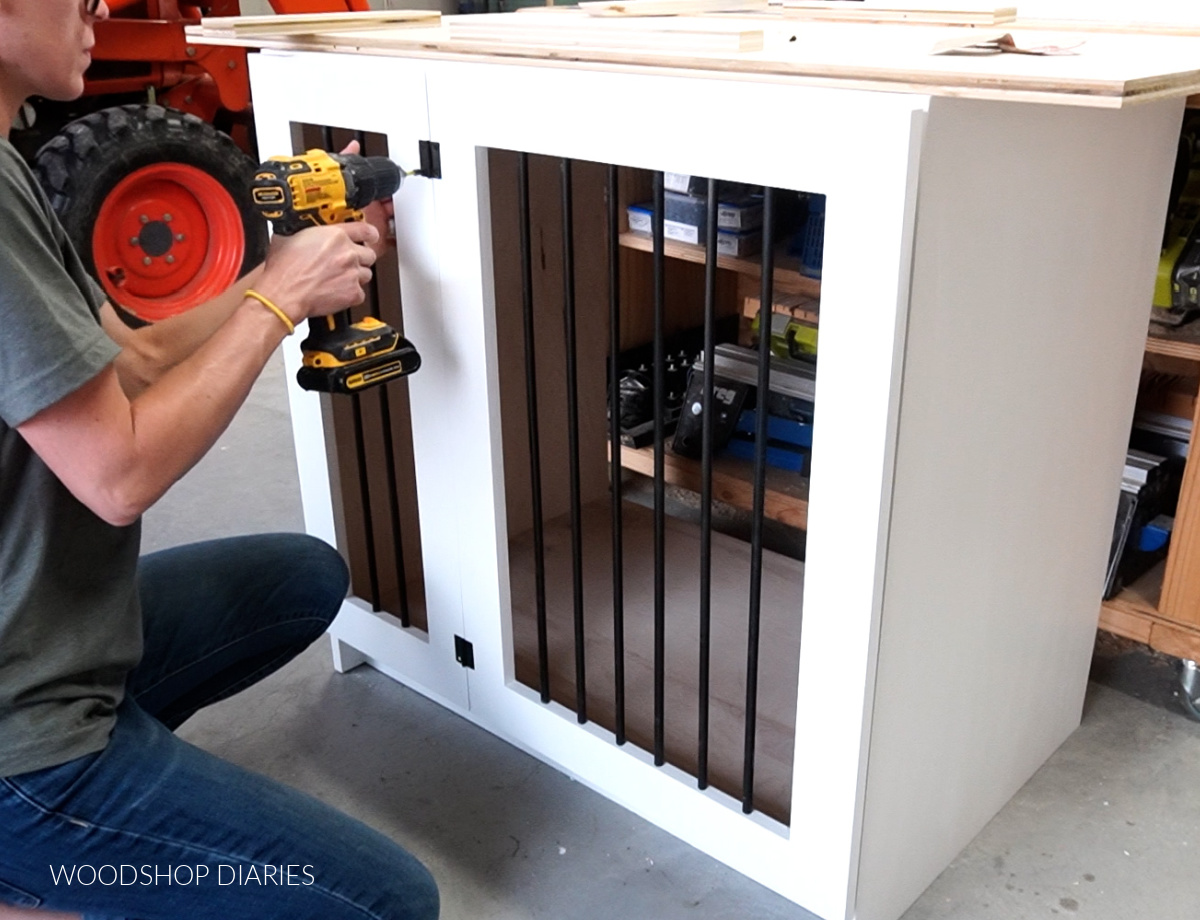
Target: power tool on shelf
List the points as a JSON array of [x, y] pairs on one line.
[[317, 188]]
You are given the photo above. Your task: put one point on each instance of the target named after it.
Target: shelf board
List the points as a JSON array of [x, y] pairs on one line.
[[787, 273], [1178, 341], [1133, 610], [732, 482], [1134, 614]]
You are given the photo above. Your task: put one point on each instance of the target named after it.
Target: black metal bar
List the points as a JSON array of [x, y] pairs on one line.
[[767, 298], [389, 459], [706, 451], [531, 408], [659, 475], [364, 489], [573, 439], [389, 454], [614, 440]]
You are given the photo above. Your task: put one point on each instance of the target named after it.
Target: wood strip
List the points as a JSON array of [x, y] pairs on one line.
[[625, 8], [310, 23], [1124, 623], [1178, 345], [733, 483], [633, 34], [927, 13], [1175, 640], [1181, 583], [798, 306]]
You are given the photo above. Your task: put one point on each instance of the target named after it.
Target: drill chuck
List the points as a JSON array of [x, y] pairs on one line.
[[369, 179]]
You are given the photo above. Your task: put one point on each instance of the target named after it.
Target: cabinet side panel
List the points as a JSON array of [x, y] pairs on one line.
[[1038, 230]]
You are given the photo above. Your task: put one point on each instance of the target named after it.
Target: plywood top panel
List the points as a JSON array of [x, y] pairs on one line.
[[1111, 68]]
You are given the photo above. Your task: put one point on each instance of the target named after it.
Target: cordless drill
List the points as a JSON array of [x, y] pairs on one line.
[[318, 188]]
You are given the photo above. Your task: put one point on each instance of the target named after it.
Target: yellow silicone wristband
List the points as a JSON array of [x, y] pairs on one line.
[[283, 317]]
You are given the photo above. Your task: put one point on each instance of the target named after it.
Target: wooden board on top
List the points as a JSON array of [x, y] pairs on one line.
[[1112, 70], [1148, 17], [310, 23], [928, 12], [668, 7], [583, 31]]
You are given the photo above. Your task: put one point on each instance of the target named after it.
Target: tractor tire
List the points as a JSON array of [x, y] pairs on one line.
[[157, 203]]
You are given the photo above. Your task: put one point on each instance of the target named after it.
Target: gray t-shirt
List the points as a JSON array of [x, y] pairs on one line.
[[70, 624]]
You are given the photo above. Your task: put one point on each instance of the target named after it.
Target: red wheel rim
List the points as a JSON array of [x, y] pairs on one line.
[[167, 238]]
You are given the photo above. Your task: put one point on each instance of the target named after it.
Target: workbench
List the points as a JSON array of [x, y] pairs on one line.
[[991, 236]]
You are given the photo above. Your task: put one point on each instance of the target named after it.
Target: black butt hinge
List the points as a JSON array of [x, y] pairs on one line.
[[464, 652], [431, 159]]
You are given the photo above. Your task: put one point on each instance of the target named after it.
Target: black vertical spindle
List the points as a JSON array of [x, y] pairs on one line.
[[573, 439], [760, 486], [531, 407], [360, 452], [706, 451], [614, 440], [657, 228], [389, 452]]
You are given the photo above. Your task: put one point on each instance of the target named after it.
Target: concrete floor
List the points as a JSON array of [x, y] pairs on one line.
[[1108, 829]]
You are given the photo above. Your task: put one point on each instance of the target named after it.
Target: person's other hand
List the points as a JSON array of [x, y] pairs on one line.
[[379, 214], [319, 270]]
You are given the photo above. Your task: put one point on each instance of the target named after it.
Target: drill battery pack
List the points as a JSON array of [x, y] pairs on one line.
[[351, 357]]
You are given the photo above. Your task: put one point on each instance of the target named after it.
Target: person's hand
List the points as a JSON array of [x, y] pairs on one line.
[[379, 214], [319, 270]]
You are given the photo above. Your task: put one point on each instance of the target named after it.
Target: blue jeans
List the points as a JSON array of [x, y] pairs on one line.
[[153, 827]]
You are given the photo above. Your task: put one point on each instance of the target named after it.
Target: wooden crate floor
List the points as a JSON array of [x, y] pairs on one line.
[[779, 652]]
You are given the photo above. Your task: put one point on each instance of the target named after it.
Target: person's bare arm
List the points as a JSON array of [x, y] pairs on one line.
[[118, 454], [149, 351]]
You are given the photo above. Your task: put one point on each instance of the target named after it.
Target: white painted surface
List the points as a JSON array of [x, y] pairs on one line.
[[621, 119], [945, 748], [1037, 237], [298, 89]]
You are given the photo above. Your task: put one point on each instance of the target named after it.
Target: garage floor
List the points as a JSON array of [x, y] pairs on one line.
[[1109, 829]]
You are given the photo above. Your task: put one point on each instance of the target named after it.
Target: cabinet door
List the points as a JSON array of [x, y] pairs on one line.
[[377, 470]]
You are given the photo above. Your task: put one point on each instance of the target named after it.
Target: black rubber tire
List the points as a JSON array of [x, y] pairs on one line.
[[80, 166]]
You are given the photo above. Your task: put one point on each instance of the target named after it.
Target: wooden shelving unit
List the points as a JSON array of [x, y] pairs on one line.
[[787, 493], [1162, 608], [786, 497], [733, 483]]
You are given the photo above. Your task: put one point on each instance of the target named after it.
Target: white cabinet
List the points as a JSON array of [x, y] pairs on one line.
[[982, 318]]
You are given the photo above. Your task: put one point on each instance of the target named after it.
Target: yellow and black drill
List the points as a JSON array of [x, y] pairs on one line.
[[318, 188]]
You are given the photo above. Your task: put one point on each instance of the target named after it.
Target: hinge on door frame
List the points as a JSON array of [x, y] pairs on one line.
[[464, 652], [431, 159]]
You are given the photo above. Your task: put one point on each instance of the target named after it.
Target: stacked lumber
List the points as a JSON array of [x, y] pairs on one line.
[[926, 12], [315, 23], [668, 7], [576, 29]]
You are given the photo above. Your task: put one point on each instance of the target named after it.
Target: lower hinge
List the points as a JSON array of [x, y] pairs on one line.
[[464, 652]]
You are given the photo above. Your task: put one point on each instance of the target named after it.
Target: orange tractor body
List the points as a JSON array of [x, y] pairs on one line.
[[142, 45]]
